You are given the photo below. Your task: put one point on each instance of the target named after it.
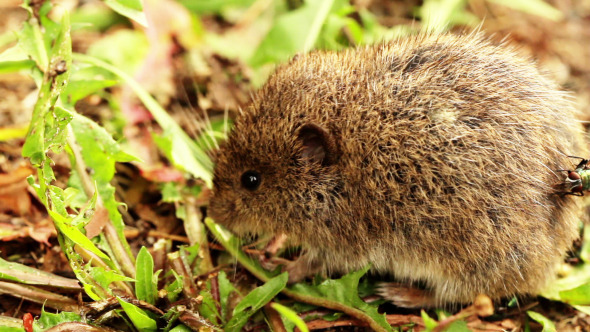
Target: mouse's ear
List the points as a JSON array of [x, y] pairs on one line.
[[318, 145]]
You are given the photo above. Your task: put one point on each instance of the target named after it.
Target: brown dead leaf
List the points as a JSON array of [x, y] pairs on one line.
[[164, 222], [40, 231], [162, 174], [97, 223], [14, 196]]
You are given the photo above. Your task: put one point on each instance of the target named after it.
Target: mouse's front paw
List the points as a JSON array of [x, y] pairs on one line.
[[301, 268]]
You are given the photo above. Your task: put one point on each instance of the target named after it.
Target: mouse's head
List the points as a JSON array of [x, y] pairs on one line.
[[273, 174]]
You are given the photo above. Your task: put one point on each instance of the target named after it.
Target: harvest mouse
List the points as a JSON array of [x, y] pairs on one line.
[[431, 158]]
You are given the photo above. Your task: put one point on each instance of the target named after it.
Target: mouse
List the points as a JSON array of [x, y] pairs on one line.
[[431, 158]]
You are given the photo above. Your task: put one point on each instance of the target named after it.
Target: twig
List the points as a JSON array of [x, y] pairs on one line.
[[195, 230], [39, 295]]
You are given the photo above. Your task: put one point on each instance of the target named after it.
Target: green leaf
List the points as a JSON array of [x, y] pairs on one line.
[[232, 245], [12, 133], [225, 289], [132, 9], [578, 295], [63, 224], [171, 192], [343, 291], [95, 16], [31, 276], [54, 81], [571, 288], [183, 152], [15, 59], [145, 289], [214, 7], [30, 39], [181, 328], [548, 325], [429, 322], [340, 294], [174, 288], [458, 326], [7, 67], [208, 307], [255, 300], [105, 277], [282, 41], [79, 89], [125, 49], [55, 128], [48, 320], [11, 324], [291, 316], [440, 15], [100, 152], [140, 319], [535, 7]]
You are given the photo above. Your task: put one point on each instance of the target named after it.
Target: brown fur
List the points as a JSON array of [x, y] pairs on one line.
[[435, 165]]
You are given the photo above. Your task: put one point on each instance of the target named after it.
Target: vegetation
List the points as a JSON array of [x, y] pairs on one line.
[[162, 277]]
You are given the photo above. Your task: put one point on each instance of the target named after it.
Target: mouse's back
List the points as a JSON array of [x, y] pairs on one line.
[[432, 158]]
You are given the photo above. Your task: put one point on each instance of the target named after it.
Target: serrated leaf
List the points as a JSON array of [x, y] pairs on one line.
[[291, 316], [208, 308], [225, 289], [56, 132], [174, 288], [548, 325], [53, 84], [327, 294], [105, 277], [255, 300], [74, 234], [145, 289], [47, 319], [100, 152], [132, 9], [345, 292], [138, 317]]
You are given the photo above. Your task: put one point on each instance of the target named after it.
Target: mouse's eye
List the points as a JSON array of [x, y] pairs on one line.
[[251, 180]]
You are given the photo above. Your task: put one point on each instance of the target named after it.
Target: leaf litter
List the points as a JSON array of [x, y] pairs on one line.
[[199, 79]]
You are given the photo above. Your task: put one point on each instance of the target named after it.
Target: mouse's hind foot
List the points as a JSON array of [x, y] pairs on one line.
[[407, 296]]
